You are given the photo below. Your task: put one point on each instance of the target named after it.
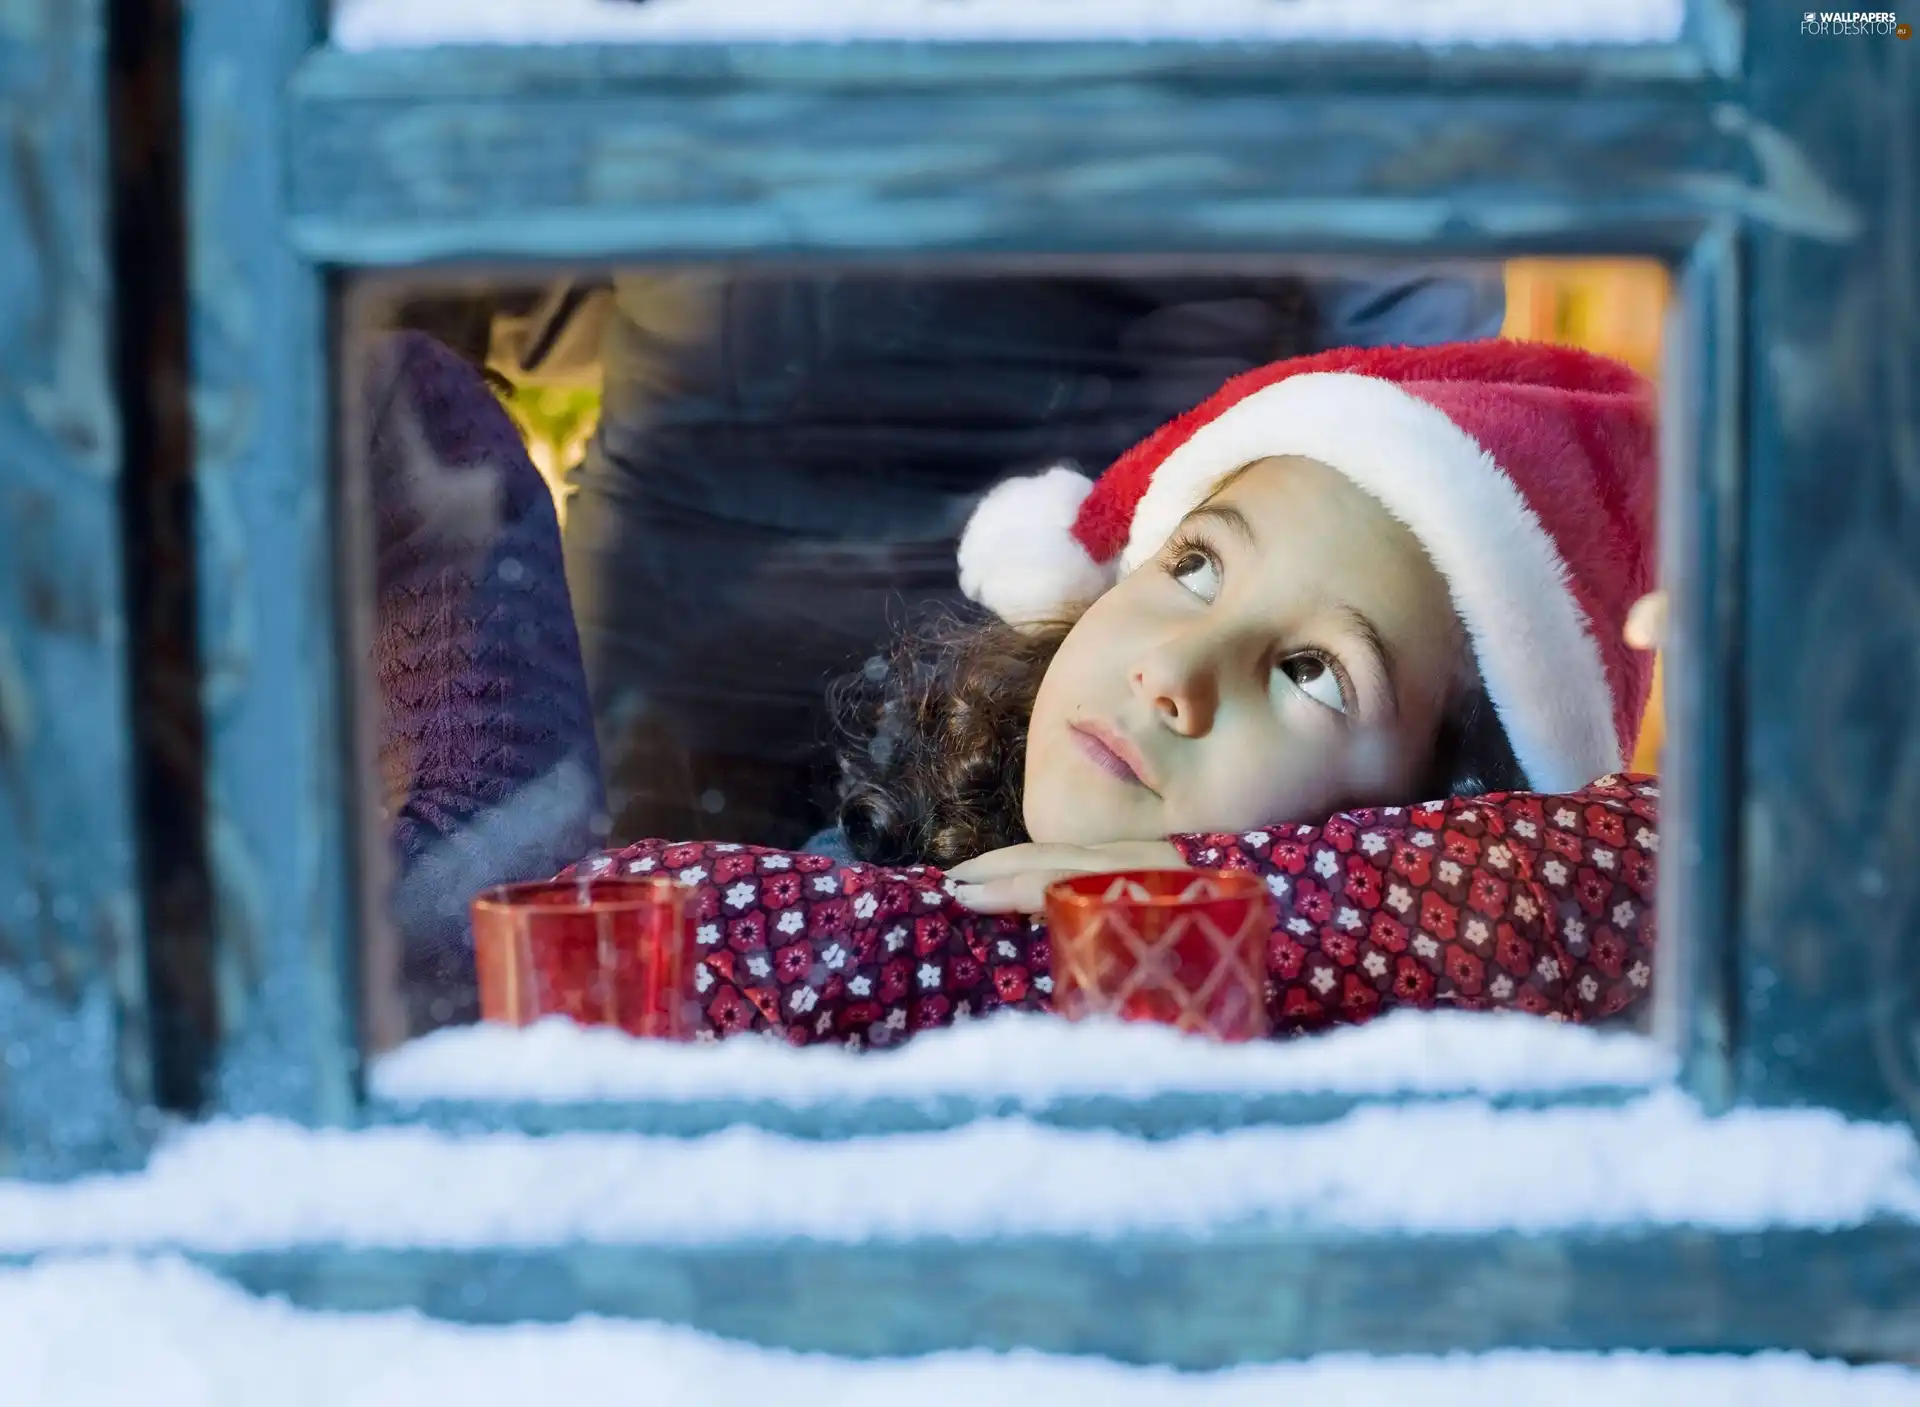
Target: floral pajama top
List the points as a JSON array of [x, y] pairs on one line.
[[1535, 903]]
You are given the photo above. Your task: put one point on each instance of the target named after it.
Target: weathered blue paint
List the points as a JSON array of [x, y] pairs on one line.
[[1702, 509], [1790, 199], [1174, 1114], [1097, 150], [580, 159], [281, 839], [1714, 33], [1240, 1295], [1830, 977], [74, 1067]]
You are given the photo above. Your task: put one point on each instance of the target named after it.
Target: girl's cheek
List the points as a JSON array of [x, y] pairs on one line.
[[1376, 764]]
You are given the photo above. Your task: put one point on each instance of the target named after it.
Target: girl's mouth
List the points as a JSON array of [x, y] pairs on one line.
[[1112, 753]]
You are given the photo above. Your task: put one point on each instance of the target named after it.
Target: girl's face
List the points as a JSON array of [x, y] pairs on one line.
[[1289, 655]]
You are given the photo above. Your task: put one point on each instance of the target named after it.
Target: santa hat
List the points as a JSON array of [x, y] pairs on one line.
[[1526, 471]]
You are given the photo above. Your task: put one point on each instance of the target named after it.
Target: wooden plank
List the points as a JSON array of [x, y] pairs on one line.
[[1174, 1114], [1243, 1295], [584, 153], [1830, 898], [74, 1068], [509, 71], [1702, 513], [281, 767]]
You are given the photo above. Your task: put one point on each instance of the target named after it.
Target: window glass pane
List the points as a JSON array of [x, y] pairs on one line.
[[794, 586]]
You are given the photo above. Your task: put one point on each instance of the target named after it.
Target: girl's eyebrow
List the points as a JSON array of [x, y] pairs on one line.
[[1361, 625], [1229, 515]]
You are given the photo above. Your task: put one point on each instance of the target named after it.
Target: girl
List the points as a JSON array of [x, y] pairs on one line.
[[1344, 583]]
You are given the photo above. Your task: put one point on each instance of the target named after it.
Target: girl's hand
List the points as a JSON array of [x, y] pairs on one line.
[[1015, 880], [1647, 622]]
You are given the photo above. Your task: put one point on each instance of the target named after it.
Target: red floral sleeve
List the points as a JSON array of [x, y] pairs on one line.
[[820, 950], [1540, 903]]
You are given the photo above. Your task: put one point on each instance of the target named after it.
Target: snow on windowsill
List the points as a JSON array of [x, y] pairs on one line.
[[109, 1333], [1455, 1166], [388, 24], [1032, 1060]]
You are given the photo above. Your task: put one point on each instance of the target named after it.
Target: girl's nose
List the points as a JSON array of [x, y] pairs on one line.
[[1183, 693]]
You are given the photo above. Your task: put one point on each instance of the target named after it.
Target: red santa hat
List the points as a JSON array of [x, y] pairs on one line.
[[1528, 472]]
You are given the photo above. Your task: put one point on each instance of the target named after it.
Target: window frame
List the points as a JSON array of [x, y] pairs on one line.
[[1736, 156], [76, 1074]]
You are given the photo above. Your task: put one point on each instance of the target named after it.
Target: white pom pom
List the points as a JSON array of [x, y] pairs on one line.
[[1019, 557]]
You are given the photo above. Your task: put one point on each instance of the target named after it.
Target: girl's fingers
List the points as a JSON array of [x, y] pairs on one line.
[[1010, 894], [1647, 622], [997, 864]]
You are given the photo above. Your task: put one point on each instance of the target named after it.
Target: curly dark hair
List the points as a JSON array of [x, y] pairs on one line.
[[933, 741]]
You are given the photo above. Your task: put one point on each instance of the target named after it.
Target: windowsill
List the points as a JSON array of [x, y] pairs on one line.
[[1448, 1168], [1025, 1061]]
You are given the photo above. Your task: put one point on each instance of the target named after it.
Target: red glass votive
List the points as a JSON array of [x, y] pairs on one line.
[[1186, 948], [601, 952]]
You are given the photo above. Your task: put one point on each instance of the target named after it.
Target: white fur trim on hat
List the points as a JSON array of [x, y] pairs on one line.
[[1509, 583], [1018, 555]]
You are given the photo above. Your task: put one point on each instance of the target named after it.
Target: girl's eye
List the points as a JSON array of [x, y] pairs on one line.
[[1315, 676], [1199, 574]]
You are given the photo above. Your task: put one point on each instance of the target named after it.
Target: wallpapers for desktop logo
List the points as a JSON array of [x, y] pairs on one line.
[[1845, 23]]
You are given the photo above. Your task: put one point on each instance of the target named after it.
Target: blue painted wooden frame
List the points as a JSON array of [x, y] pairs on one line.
[[75, 1077], [1769, 169], [310, 162]]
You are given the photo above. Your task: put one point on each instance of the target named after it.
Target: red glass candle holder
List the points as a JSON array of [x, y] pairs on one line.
[[1186, 948], [601, 952]]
